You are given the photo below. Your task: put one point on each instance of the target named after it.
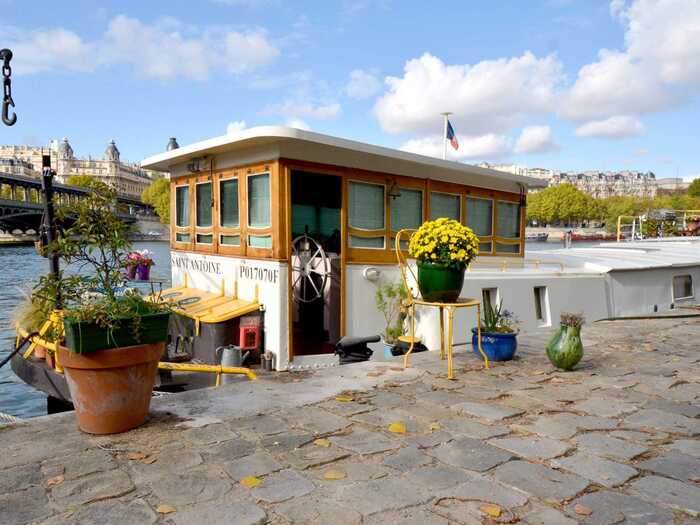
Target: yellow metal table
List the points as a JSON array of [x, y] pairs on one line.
[[412, 301]]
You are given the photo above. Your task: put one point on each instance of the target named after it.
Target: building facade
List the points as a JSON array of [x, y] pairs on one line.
[[129, 179]]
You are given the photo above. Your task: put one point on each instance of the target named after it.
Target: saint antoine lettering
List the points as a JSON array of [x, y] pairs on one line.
[[200, 265], [245, 271]]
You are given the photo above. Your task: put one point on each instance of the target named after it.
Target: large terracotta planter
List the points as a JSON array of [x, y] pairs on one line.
[[111, 389], [439, 283]]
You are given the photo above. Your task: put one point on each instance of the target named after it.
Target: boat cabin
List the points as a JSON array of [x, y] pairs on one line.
[[300, 226]]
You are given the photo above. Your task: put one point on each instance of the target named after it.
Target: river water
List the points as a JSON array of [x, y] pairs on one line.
[[20, 268]]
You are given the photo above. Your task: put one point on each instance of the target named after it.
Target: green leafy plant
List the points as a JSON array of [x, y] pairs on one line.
[[496, 319], [390, 299]]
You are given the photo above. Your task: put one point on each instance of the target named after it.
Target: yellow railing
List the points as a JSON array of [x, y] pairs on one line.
[[640, 217], [505, 265]]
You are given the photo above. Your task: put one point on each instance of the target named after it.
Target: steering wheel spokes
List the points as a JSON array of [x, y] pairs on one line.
[[310, 269]]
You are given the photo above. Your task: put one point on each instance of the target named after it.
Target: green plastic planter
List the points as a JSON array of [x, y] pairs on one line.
[[439, 283], [565, 348], [83, 338]]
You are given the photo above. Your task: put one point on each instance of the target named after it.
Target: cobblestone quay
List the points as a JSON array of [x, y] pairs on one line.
[[615, 441]]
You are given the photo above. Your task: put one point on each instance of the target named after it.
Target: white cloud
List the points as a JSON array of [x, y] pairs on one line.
[[362, 85], [294, 109], [491, 96], [165, 49], [235, 127], [298, 123], [487, 146], [536, 139], [617, 127]]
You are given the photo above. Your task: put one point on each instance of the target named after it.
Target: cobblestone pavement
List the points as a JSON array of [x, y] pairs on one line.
[[615, 441]]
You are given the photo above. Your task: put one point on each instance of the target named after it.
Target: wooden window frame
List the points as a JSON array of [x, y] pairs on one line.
[[508, 240], [255, 251], [174, 228], [455, 192], [199, 180], [227, 249], [487, 238], [361, 232]]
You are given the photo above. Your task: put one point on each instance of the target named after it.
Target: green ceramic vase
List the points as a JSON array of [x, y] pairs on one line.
[[565, 348], [439, 283]]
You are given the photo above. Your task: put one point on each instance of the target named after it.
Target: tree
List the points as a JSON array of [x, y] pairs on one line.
[[157, 194], [694, 188], [80, 180]]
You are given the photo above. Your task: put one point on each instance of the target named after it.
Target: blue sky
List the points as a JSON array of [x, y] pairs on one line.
[[563, 84]]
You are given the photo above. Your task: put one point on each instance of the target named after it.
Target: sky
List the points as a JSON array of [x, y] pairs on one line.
[[561, 84]]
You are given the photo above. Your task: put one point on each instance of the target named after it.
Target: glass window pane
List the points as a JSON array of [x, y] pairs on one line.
[[259, 201], [407, 210], [507, 248], [182, 205], [480, 216], [228, 190], [484, 248], [205, 238], [508, 220], [444, 205], [366, 242], [260, 241], [204, 205], [366, 206], [230, 240], [182, 237]]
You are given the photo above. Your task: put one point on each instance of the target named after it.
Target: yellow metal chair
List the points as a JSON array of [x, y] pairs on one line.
[[412, 301]]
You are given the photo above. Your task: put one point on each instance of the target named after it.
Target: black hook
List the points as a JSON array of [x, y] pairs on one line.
[[6, 56], [8, 120]]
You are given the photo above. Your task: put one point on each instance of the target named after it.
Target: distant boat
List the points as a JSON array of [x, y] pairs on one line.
[[537, 237]]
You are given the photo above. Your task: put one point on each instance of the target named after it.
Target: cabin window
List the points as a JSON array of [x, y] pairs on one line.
[[541, 306], [204, 205], [259, 202], [260, 241], [230, 240], [366, 212], [205, 238], [182, 237], [182, 206], [444, 205], [228, 199], [407, 210], [508, 226], [480, 220], [682, 287]]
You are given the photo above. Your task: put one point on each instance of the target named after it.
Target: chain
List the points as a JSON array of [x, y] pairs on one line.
[[6, 56]]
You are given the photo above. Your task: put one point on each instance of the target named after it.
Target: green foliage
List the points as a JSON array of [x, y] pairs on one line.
[[498, 320], [390, 299], [84, 181], [562, 203], [694, 188], [157, 194]]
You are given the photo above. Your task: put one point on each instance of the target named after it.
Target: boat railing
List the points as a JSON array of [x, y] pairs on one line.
[[506, 265], [633, 229]]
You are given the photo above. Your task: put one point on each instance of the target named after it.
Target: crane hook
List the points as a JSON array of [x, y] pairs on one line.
[[6, 56]]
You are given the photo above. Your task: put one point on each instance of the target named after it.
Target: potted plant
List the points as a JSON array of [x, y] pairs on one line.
[[443, 249], [143, 269], [132, 261], [113, 338], [389, 299], [565, 348], [499, 333]]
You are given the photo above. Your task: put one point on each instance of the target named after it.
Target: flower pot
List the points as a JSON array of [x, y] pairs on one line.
[[496, 345], [565, 348], [439, 283], [111, 389], [83, 338], [131, 272], [388, 349], [143, 272]]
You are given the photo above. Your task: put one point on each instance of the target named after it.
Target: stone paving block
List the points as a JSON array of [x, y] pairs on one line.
[[473, 429], [283, 485], [163, 466], [354, 469], [311, 455], [383, 418], [24, 506], [604, 407], [346, 408], [75, 466], [471, 454], [645, 438], [228, 450], [656, 419], [94, 487], [437, 477], [540, 481], [610, 447], [490, 412], [316, 420], [18, 478], [381, 495], [193, 486], [669, 492], [209, 434], [365, 442], [265, 425], [686, 446], [613, 507], [215, 513], [406, 517], [532, 447], [566, 425], [407, 458], [384, 400], [312, 510], [258, 464], [280, 443], [547, 516], [602, 471], [684, 409], [110, 512], [674, 465], [482, 489]]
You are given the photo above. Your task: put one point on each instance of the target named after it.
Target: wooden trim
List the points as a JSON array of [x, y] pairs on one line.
[[204, 230]]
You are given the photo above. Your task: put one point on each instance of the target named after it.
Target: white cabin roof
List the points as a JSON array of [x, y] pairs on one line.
[[296, 144]]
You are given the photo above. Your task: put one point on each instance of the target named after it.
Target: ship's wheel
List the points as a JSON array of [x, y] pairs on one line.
[[310, 269]]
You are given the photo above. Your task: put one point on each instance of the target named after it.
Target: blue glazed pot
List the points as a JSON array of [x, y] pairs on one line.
[[496, 346]]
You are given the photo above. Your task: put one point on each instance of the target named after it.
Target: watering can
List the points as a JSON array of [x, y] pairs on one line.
[[230, 356]]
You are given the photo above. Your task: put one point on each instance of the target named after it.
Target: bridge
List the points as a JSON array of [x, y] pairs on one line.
[[21, 208]]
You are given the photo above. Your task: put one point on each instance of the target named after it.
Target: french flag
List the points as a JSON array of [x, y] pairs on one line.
[[451, 136]]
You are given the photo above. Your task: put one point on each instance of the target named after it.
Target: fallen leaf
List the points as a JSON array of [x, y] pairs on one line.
[[334, 473], [68, 513], [136, 456], [251, 481], [343, 398], [396, 369], [374, 374], [397, 427], [56, 480], [537, 373], [322, 442], [605, 476], [434, 426], [492, 510], [148, 460], [583, 510], [165, 509]]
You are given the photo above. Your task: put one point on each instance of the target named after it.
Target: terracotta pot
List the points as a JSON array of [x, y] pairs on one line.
[[40, 352], [111, 389]]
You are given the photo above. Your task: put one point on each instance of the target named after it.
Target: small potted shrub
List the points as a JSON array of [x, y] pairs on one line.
[[389, 299], [132, 261], [565, 348], [499, 333], [443, 249], [143, 269], [113, 338]]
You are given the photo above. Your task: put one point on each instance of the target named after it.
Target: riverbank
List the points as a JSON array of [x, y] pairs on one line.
[[614, 439]]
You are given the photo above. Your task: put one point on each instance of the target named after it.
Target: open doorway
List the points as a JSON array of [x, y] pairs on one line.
[[315, 262]]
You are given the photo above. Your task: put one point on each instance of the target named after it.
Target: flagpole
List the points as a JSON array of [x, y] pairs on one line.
[[444, 135]]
